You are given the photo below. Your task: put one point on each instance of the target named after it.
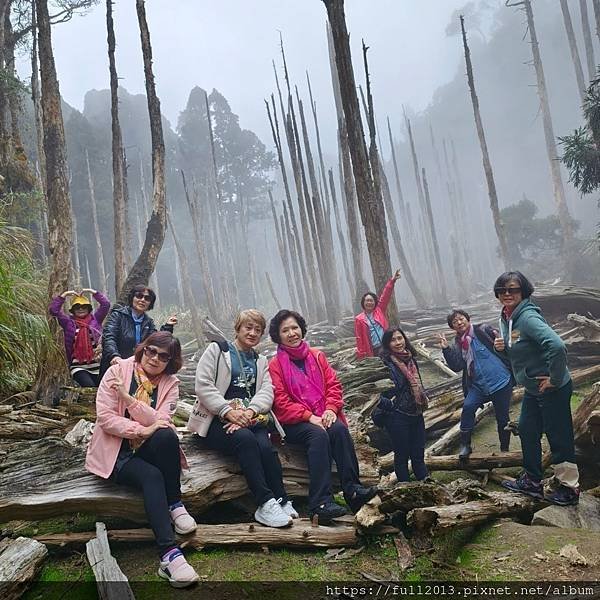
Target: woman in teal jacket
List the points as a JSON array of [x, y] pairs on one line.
[[539, 361]]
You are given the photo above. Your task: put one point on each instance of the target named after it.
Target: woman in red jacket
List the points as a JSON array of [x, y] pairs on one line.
[[308, 403], [370, 324]]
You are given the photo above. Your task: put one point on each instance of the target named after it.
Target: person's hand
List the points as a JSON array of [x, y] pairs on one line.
[[443, 342], [397, 275], [328, 418], [90, 290], [172, 320], [231, 427], [120, 388], [68, 293], [238, 417], [149, 431], [250, 414], [318, 421], [115, 360], [544, 383], [499, 344]]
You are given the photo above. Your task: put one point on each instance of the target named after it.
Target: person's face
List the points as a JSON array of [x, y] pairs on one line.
[[155, 360], [511, 295], [249, 334], [397, 343], [80, 311], [460, 324], [290, 333], [369, 303], [141, 301]]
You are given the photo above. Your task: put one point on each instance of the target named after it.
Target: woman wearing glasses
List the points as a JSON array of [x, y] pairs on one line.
[[127, 326], [539, 362], [135, 443]]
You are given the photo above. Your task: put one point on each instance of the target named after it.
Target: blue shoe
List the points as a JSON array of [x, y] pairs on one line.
[[525, 485], [562, 496]]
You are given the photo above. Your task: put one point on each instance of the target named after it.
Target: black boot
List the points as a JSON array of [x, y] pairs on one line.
[[360, 495], [504, 437], [465, 445]]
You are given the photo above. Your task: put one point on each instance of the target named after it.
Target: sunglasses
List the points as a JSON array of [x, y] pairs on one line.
[[500, 291], [151, 352], [142, 296]]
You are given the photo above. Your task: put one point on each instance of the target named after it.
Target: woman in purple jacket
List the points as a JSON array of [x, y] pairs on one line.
[[82, 332]]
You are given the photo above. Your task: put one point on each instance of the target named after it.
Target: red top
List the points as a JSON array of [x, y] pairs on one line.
[[361, 323], [290, 412]]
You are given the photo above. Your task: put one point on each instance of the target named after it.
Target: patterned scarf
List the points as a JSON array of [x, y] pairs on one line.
[[83, 350], [146, 385], [404, 362], [465, 341]]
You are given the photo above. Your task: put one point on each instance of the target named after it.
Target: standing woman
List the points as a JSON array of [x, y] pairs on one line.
[[127, 326], [309, 404], [82, 333], [234, 396], [539, 363], [400, 411], [134, 443], [370, 324]]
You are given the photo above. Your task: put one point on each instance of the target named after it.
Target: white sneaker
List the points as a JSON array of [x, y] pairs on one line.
[[182, 520], [271, 514], [178, 571], [288, 509]]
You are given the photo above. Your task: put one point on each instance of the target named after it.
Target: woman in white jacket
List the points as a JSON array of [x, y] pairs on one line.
[[234, 396]]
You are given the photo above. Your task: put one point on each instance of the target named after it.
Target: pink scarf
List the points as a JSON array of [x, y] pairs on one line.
[[305, 387], [465, 344]]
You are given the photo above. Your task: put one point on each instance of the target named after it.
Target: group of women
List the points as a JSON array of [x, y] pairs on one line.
[[243, 401]]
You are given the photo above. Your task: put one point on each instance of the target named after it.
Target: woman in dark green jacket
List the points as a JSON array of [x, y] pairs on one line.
[[539, 362]]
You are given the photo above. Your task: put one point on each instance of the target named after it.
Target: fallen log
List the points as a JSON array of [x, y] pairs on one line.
[[111, 582], [20, 560], [435, 361], [584, 321]]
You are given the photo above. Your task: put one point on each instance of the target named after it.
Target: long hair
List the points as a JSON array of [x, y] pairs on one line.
[[387, 338]]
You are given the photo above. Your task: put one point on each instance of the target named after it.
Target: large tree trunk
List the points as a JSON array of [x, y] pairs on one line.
[[155, 233], [573, 48], [487, 163], [37, 106], [52, 371], [120, 224], [596, 4], [587, 40], [99, 251], [370, 203]]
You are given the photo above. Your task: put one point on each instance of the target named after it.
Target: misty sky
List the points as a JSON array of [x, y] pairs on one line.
[[229, 45]]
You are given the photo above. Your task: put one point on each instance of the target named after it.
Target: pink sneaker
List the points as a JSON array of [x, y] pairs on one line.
[[178, 571], [182, 520]]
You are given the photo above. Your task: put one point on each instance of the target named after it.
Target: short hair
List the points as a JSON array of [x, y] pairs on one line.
[[141, 288], [364, 297], [453, 314], [250, 314], [165, 341], [526, 286], [387, 338], [279, 318]]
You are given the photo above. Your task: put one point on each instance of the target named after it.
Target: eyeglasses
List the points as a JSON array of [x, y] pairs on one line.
[[511, 291], [142, 296], [151, 352]]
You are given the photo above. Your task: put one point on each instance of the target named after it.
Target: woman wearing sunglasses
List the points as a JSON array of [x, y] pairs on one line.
[[127, 326], [135, 444], [539, 362]]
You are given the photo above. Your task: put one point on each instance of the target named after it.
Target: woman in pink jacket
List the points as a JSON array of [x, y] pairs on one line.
[[135, 443], [370, 324]]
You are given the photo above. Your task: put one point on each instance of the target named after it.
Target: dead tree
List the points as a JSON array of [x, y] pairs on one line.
[[120, 223], [403, 216], [587, 40], [155, 233], [573, 48], [147, 205], [76, 265], [35, 98], [370, 203], [97, 237], [596, 4], [487, 163]]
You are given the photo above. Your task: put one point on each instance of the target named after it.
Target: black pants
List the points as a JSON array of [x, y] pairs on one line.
[[256, 456], [155, 469], [86, 379], [407, 433], [323, 445]]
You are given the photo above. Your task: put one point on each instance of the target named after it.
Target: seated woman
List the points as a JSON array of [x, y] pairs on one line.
[[135, 444], [82, 333], [308, 403], [370, 324], [401, 415], [127, 326], [233, 384]]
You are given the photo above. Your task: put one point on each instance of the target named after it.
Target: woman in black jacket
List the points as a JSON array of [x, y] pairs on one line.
[[400, 410], [127, 326]]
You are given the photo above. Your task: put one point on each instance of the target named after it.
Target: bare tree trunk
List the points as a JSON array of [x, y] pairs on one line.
[[403, 217], [272, 290], [120, 223], [340, 232], [596, 4], [572, 47], [52, 371], [487, 163], [146, 203], [370, 203], [87, 271], [587, 40], [76, 275], [35, 98], [99, 252]]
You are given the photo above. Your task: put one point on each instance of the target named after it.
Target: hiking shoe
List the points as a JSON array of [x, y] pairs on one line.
[[288, 508], [178, 571], [525, 485], [562, 496], [360, 496], [327, 512], [272, 515], [182, 520], [465, 449]]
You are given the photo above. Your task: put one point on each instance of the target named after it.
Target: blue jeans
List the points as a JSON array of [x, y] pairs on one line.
[[407, 433], [476, 399]]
